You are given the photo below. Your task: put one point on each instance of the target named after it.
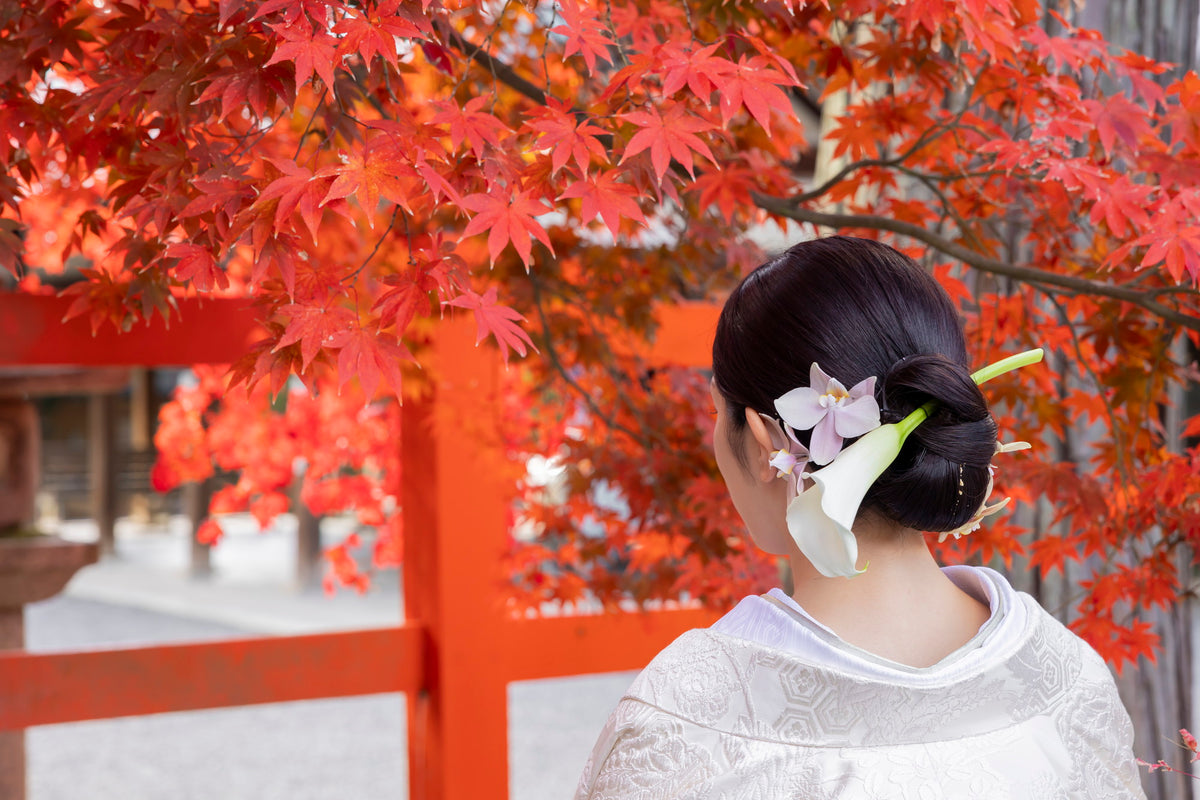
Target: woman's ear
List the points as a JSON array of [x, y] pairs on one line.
[[761, 447]]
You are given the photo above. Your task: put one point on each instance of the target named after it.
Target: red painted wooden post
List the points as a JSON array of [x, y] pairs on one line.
[[455, 531]]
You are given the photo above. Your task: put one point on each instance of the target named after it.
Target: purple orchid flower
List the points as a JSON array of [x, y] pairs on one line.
[[832, 412], [789, 457]]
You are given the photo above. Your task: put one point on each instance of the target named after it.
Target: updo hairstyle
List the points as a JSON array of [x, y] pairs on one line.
[[860, 308]]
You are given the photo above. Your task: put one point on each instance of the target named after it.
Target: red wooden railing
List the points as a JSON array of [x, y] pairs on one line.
[[457, 650]]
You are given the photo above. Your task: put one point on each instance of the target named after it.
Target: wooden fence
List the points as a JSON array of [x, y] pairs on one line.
[[457, 649]]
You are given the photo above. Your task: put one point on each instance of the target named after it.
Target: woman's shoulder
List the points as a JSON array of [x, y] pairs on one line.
[[710, 677], [695, 656], [714, 648], [1059, 654]]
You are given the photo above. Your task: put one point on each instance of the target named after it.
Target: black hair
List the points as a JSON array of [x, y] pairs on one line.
[[860, 308]]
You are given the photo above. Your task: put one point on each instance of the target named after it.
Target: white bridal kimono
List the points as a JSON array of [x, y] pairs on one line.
[[768, 704]]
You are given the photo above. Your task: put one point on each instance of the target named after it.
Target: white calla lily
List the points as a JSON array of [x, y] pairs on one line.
[[820, 519]]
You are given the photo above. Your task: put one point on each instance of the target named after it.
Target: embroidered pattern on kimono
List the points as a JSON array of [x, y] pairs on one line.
[[716, 717]]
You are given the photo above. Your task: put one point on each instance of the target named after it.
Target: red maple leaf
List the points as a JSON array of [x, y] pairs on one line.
[[469, 124], [196, 264], [696, 69], [343, 568], [1118, 118], [585, 33], [313, 327], [389, 543], [1052, 552], [1123, 204], [296, 190], [497, 320], [310, 50], [377, 170], [219, 193], [605, 195], [229, 500], [438, 56], [960, 295], [249, 83], [567, 133], [668, 137], [101, 297], [292, 10], [369, 355], [507, 220], [727, 189], [374, 34], [281, 252], [266, 507], [1179, 250], [754, 84], [436, 183], [209, 532], [1133, 65], [163, 477], [411, 288], [226, 10]]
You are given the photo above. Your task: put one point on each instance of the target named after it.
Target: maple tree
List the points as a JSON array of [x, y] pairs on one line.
[[559, 170]]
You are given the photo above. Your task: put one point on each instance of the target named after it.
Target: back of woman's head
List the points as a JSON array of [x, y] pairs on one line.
[[860, 308]]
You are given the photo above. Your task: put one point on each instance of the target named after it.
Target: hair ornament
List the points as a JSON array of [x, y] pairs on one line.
[[985, 510], [830, 411], [820, 516]]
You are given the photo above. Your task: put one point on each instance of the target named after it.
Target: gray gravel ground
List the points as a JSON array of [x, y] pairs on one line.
[[338, 749]]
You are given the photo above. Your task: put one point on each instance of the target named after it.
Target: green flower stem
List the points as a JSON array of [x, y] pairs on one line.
[[1007, 365], [906, 426]]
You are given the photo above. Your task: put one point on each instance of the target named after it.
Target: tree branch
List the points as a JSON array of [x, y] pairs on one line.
[[785, 207], [503, 72], [790, 208]]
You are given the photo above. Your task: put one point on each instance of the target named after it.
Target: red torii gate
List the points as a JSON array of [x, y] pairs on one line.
[[457, 649]]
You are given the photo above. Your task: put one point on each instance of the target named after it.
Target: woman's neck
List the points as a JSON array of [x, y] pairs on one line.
[[903, 607]]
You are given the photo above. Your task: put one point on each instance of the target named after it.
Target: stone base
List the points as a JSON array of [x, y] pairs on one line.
[[34, 568]]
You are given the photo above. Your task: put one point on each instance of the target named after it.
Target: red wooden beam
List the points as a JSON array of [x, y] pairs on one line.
[[552, 647], [685, 335], [49, 688], [203, 331]]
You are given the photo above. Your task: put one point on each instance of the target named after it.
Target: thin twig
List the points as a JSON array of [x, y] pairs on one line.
[[378, 244], [311, 118], [1119, 443], [556, 363]]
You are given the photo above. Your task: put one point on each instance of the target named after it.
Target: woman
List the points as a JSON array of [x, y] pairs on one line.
[[881, 676]]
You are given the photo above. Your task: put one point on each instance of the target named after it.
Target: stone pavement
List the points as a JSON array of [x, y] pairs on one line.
[[335, 749]]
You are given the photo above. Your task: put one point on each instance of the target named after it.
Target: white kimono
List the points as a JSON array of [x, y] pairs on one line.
[[768, 704]]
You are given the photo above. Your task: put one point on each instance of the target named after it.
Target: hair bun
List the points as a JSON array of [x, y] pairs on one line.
[[939, 479]]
